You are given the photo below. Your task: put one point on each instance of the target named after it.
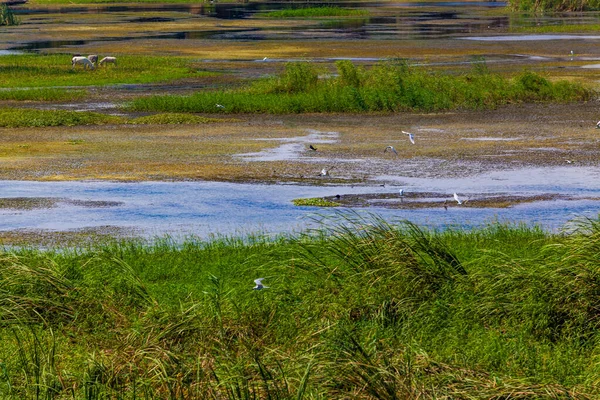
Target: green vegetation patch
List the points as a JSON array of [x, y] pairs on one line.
[[563, 28], [34, 70], [7, 16], [388, 86], [14, 117], [309, 12], [360, 309], [46, 94], [174, 118], [316, 202], [27, 117], [555, 5]]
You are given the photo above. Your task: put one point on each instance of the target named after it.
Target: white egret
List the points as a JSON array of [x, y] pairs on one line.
[[259, 284], [401, 191]]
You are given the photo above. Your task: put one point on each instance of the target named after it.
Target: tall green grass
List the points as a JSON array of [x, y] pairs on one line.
[[7, 16], [359, 309], [46, 94], [389, 86]]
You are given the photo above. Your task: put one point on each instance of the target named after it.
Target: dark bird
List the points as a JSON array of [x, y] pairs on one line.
[[313, 148]]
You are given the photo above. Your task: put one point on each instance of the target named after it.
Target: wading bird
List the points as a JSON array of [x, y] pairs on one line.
[[411, 137], [220, 106], [259, 284], [457, 199], [391, 148]]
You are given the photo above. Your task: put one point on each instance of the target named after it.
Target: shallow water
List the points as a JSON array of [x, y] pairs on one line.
[[206, 208]]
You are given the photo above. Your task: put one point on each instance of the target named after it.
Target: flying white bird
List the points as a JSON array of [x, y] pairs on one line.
[[457, 199], [391, 148], [219, 106], [265, 59], [324, 172], [259, 284], [411, 137], [598, 125]]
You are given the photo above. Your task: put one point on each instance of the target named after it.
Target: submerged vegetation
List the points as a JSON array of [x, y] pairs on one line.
[[389, 86], [363, 310], [309, 12]]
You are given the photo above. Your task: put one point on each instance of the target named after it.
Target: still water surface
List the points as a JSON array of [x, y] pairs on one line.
[[205, 208]]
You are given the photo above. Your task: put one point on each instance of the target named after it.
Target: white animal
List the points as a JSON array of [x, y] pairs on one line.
[[220, 106], [265, 59], [324, 172], [411, 137], [391, 148], [93, 58], [598, 125], [111, 60], [83, 61], [401, 191], [259, 284], [457, 199]]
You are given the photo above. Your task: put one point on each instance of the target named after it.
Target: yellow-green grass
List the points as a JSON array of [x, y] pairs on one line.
[[37, 71], [363, 310], [562, 28], [46, 94], [315, 202]]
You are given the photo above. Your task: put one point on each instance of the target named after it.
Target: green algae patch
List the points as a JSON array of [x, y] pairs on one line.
[[315, 202]]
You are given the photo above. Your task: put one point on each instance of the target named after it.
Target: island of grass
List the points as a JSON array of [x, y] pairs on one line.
[[362, 309], [390, 86], [315, 202]]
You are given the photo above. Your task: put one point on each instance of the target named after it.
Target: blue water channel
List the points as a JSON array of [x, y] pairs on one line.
[[235, 209]]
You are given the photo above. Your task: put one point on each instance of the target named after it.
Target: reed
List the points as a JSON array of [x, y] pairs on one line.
[[356, 308]]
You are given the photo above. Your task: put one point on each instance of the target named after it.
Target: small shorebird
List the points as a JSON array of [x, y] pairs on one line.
[[391, 148], [457, 199], [411, 137], [259, 284], [324, 172], [219, 106]]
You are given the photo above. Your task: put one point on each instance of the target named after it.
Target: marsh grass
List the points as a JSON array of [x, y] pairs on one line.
[[54, 70], [311, 12], [390, 86], [359, 308]]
